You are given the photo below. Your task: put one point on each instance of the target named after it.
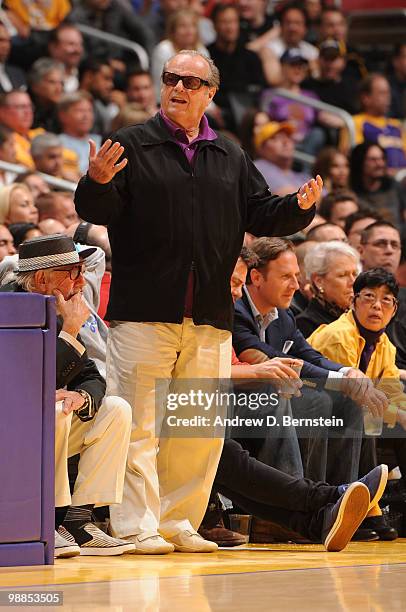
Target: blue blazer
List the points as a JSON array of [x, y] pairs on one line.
[[246, 335]]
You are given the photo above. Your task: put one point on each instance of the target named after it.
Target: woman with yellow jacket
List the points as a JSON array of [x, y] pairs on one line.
[[358, 339]]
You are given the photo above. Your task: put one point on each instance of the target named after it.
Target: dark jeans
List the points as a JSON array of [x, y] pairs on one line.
[[296, 503], [329, 453]]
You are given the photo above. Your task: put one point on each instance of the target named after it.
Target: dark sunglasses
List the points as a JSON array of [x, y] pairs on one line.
[[189, 82]]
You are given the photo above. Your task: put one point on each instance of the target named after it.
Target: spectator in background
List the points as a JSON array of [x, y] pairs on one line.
[[43, 17], [251, 123], [157, 20], [51, 226], [337, 206], [304, 293], [140, 90], [7, 154], [11, 77], [240, 69], [17, 113], [326, 232], [130, 114], [397, 82], [292, 19], [17, 205], [330, 84], [96, 77], [373, 125], [380, 247], [23, 231], [331, 268], [275, 148], [114, 17], [333, 167], [6, 242], [51, 158], [58, 206], [313, 9], [356, 223], [182, 33], [254, 20], [333, 25], [65, 45], [45, 80], [75, 115], [370, 180], [307, 135], [34, 182]]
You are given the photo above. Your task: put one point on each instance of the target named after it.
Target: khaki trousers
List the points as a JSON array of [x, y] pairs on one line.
[[103, 446], [165, 490]]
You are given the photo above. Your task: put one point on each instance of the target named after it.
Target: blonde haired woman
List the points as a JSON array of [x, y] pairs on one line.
[[17, 205], [182, 32]]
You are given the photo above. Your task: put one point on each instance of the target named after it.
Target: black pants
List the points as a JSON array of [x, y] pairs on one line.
[[296, 503]]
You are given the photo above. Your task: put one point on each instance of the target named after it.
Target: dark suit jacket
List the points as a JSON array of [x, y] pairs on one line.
[[16, 76], [246, 335], [73, 371]]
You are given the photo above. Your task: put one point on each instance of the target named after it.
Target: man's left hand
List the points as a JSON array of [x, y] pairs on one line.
[[310, 193], [72, 400]]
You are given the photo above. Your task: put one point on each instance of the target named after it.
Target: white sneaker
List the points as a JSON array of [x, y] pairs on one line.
[[65, 545], [94, 541], [150, 544], [192, 542]]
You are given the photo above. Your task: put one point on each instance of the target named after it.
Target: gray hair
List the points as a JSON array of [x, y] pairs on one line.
[[319, 259], [42, 67], [44, 141], [25, 280], [214, 74], [72, 98]]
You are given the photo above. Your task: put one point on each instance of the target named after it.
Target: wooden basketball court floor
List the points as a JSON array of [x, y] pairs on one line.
[[365, 576]]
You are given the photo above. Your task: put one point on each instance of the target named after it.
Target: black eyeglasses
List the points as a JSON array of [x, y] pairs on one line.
[[74, 273], [189, 82]]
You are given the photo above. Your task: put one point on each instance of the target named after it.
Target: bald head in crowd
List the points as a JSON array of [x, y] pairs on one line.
[[326, 232], [57, 205]]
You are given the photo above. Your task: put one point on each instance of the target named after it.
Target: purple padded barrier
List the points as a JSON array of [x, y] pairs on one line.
[[27, 422], [48, 433], [12, 555]]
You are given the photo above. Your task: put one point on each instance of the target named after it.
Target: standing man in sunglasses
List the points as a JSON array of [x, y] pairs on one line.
[[176, 206]]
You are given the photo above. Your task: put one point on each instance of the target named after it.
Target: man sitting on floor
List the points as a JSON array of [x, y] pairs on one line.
[[86, 422]]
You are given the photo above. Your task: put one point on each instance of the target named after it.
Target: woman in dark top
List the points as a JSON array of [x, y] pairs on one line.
[[332, 268]]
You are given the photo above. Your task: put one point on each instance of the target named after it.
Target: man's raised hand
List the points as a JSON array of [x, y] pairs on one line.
[[103, 164], [310, 193]]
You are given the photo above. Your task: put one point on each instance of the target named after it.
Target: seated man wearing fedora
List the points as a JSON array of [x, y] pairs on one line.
[[86, 422]]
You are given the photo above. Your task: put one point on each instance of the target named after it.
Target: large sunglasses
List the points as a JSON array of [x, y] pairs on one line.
[[189, 82]]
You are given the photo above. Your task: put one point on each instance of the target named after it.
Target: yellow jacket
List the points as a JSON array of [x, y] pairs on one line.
[[342, 342]]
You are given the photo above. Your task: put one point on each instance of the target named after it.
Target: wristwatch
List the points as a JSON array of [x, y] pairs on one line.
[[88, 410]]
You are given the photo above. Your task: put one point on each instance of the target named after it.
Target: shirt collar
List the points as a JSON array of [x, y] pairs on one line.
[[205, 131], [262, 320]]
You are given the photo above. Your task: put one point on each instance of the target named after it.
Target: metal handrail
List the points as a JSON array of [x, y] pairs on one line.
[[318, 104], [51, 180], [118, 41]]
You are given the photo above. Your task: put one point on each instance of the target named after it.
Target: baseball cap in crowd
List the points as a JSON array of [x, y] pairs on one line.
[[270, 129], [330, 49], [50, 251], [293, 56]]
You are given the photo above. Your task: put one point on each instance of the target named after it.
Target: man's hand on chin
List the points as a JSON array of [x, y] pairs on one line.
[[310, 193]]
